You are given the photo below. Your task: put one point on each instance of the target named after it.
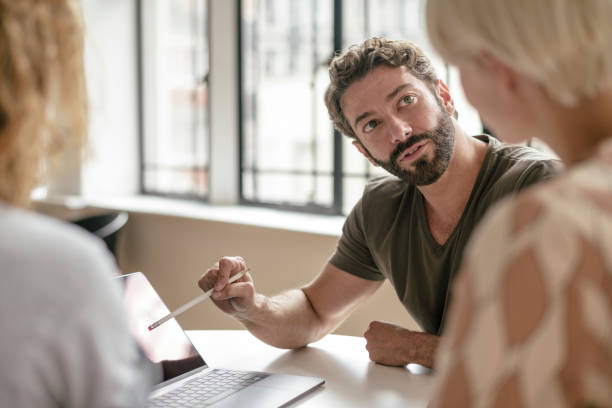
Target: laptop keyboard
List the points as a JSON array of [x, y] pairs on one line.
[[207, 389]]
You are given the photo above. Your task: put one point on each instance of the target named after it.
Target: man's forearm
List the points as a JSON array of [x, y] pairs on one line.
[[294, 318], [286, 320], [422, 349], [393, 345]]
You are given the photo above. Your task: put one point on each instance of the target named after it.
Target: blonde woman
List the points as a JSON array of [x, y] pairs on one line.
[[531, 324], [63, 341]]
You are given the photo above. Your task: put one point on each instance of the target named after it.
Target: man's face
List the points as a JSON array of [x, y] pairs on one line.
[[401, 124], [423, 171]]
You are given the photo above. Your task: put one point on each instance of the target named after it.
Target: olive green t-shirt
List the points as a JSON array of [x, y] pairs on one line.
[[386, 235]]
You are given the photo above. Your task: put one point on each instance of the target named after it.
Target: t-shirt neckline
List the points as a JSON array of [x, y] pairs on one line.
[[439, 248]]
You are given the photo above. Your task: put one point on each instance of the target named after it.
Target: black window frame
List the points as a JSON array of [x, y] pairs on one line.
[[337, 170], [142, 166]]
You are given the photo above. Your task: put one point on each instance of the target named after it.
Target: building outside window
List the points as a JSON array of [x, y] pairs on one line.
[[174, 68]]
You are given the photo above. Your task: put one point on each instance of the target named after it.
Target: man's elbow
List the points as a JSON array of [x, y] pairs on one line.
[[320, 324]]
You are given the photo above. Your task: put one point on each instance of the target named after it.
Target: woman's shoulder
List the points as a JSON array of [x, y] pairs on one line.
[[585, 187], [550, 221], [52, 249]]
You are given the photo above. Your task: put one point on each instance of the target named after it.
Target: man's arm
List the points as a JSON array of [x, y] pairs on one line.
[[294, 318], [393, 345]]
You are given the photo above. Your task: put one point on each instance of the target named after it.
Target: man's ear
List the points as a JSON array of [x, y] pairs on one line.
[[447, 99], [363, 151]]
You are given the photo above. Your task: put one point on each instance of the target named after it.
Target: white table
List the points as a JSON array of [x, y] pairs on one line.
[[351, 379]]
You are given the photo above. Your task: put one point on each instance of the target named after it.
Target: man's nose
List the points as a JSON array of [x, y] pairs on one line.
[[400, 130]]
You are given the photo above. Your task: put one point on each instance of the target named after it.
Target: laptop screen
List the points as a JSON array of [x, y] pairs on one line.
[[167, 344]]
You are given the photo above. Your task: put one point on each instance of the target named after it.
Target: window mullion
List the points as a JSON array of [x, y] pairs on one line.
[[338, 165], [224, 113]]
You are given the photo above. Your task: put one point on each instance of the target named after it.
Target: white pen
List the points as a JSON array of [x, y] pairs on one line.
[[194, 302]]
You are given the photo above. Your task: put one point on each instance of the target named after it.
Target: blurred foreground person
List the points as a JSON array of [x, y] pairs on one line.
[[63, 340], [531, 324]]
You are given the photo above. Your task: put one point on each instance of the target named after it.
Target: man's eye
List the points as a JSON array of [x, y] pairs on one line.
[[408, 100], [370, 125]]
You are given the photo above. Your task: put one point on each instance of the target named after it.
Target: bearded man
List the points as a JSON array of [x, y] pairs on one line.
[[410, 227]]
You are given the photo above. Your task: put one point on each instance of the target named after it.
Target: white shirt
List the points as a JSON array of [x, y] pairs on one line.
[[63, 339]]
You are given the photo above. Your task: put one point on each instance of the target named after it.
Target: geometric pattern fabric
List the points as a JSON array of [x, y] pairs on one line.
[[531, 323]]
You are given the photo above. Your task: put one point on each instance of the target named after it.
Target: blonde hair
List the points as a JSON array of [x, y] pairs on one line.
[[42, 91], [564, 45]]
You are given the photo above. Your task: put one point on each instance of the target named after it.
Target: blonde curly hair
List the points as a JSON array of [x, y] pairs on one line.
[[43, 99]]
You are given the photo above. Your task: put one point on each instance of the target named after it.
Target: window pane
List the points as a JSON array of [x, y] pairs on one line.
[[175, 71], [285, 127], [318, 187]]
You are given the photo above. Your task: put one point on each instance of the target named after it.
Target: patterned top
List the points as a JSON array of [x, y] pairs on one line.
[[531, 325]]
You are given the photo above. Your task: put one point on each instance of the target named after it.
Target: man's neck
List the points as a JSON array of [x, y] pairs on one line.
[[446, 199]]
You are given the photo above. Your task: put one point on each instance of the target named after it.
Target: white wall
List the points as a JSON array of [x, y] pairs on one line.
[[111, 68]]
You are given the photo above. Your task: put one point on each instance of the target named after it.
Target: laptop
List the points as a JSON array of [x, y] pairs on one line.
[[183, 377]]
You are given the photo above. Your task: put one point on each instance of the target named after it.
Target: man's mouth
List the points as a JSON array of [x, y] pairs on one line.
[[413, 152]]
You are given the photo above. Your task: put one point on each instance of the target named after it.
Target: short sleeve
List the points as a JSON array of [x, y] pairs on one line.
[[538, 171], [352, 254]]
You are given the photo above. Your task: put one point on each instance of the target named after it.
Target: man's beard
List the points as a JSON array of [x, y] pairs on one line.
[[425, 172]]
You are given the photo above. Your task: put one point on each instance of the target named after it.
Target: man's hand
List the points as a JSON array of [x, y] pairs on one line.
[[393, 345], [237, 298]]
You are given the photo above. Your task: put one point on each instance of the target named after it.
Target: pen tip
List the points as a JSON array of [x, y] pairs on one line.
[[150, 327]]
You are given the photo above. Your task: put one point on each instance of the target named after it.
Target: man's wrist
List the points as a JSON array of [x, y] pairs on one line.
[[430, 347], [422, 349], [250, 316]]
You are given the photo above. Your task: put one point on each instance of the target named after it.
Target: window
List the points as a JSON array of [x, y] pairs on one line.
[[287, 155], [174, 68], [291, 157], [272, 141]]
